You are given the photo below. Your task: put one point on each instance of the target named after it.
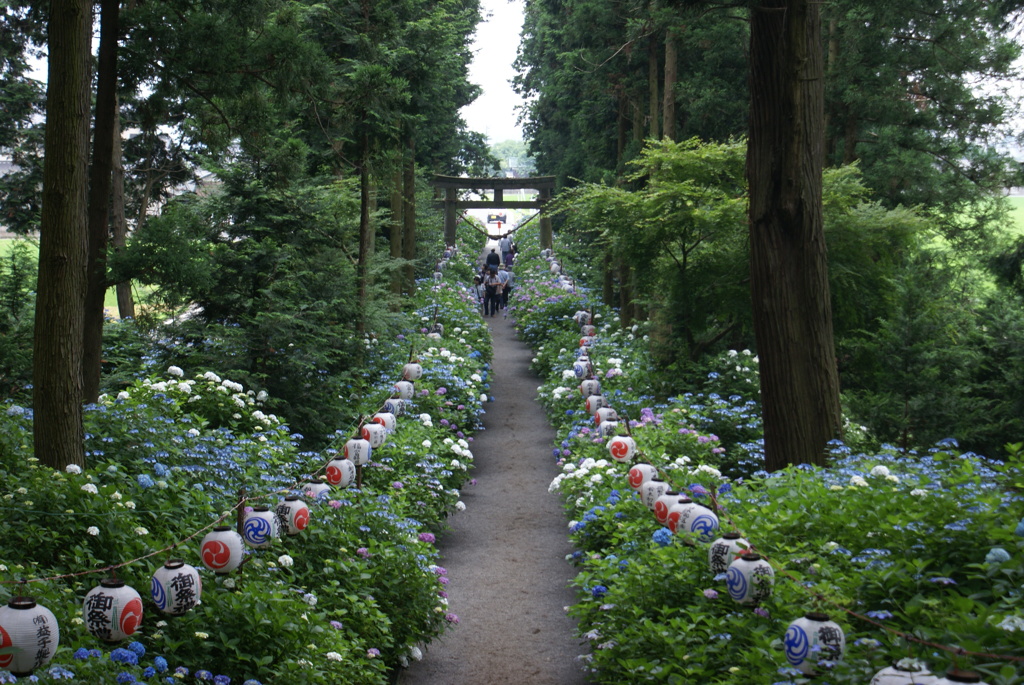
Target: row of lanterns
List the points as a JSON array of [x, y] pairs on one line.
[[749, 577], [113, 610]]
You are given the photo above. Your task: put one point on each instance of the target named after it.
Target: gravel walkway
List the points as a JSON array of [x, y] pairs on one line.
[[505, 554]]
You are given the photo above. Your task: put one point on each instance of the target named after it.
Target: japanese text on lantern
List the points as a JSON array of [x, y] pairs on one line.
[[98, 614], [184, 592], [44, 637]]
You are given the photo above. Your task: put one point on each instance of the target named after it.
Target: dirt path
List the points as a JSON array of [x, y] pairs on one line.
[[505, 554]]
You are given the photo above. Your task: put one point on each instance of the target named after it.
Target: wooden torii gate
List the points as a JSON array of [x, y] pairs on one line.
[[451, 202]]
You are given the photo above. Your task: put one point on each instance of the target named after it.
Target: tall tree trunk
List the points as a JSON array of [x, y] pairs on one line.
[[365, 234], [622, 128], [119, 222], [653, 130], [608, 281], [668, 110], [397, 222], [99, 200], [788, 269], [58, 435], [409, 220], [830, 66]]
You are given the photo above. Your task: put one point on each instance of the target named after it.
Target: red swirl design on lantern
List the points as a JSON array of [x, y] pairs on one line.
[[636, 478], [672, 521], [334, 475], [619, 449], [216, 554], [301, 519], [5, 641], [661, 511], [131, 616]]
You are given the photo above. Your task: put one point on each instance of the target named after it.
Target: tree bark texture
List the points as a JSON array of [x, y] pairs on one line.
[[99, 199], [395, 228], [668, 113], [409, 217], [788, 268], [119, 221], [653, 110], [366, 237], [60, 296]]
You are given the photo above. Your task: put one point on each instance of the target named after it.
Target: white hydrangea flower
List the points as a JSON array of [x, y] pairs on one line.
[[333, 656], [141, 531], [90, 488], [858, 481], [892, 478], [262, 396], [460, 505], [427, 444], [1011, 624], [918, 492], [92, 530], [880, 470], [123, 395], [175, 371], [116, 496], [285, 561], [211, 376]]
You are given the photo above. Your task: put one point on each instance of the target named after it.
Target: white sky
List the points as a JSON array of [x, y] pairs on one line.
[[494, 47]]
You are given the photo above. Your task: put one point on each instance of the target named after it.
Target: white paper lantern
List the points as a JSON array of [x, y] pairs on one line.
[[605, 413], [555, 267], [590, 388], [412, 372], [750, 579], [587, 341], [375, 433], [816, 635], [582, 318], [640, 474], [358, 451], [581, 368], [955, 675], [32, 630], [177, 587], [317, 490], [222, 549], [260, 527], [726, 550], [405, 389], [701, 522], [292, 515], [662, 505], [677, 513], [595, 402], [112, 611], [438, 275], [905, 672], [622, 448], [587, 329], [395, 406], [340, 472], [608, 428], [652, 490], [386, 419]]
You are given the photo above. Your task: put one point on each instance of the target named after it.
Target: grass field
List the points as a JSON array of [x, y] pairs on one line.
[[109, 302], [1017, 212]]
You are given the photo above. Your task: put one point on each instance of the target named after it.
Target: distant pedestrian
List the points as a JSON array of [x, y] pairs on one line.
[[503, 276], [492, 293], [505, 245], [493, 259], [478, 291]]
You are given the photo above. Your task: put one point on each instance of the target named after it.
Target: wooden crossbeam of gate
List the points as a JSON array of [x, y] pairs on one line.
[[451, 185]]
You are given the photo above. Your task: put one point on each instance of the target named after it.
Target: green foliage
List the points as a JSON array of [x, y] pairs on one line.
[[169, 454], [17, 307], [889, 542]]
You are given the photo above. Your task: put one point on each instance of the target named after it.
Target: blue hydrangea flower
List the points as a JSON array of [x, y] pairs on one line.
[[997, 555], [663, 536], [125, 677], [144, 480], [138, 648], [221, 680], [160, 664], [252, 681], [203, 675], [124, 656], [598, 591], [81, 654], [148, 672]]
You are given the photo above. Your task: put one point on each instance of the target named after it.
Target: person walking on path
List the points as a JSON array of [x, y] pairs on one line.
[[505, 246], [506, 284], [505, 554], [492, 293], [493, 259]]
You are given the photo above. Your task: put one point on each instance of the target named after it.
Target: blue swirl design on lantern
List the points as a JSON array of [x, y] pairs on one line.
[[797, 645], [704, 525], [580, 370], [257, 530], [736, 581], [156, 589]]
